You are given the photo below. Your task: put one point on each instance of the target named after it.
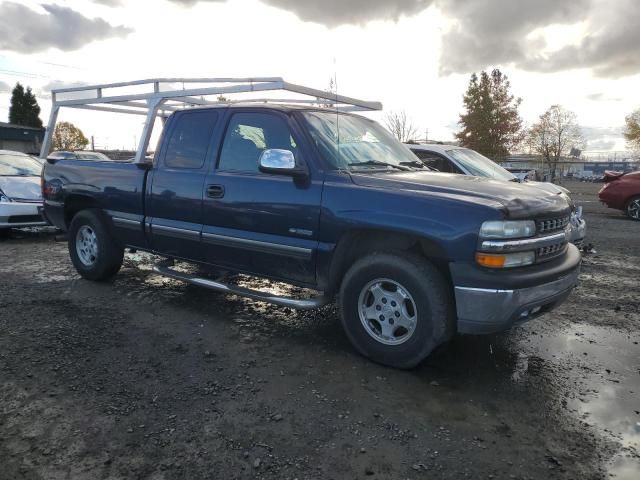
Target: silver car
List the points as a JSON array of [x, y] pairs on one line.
[[20, 192], [453, 159]]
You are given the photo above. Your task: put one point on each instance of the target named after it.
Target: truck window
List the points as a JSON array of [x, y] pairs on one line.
[[187, 147], [248, 135]]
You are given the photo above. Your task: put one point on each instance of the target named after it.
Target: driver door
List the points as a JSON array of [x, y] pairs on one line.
[[259, 222]]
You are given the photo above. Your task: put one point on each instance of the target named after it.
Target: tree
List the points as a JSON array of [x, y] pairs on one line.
[[555, 135], [401, 127], [490, 124], [24, 109], [67, 136], [632, 130]]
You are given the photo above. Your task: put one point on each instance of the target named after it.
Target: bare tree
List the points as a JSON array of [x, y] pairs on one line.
[[555, 135], [401, 128]]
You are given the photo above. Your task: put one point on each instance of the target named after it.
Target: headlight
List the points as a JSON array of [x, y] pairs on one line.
[[4, 198], [507, 260], [508, 229]]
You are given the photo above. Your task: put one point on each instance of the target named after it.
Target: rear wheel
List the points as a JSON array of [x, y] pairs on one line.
[[633, 208], [93, 251], [396, 308]]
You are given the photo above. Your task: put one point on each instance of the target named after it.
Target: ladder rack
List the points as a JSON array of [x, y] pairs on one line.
[[159, 97]]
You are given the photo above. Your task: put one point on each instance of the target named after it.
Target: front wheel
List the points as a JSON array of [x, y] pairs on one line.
[[396, 308], [633, 208], [93, 252]]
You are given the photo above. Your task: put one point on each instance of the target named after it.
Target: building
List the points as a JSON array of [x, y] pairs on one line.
[[21, 139]]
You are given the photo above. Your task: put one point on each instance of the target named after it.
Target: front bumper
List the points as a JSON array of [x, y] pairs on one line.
[[482, 309], [20, 214]]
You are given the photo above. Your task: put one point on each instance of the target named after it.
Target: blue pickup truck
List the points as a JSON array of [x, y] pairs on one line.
[[329, 201]]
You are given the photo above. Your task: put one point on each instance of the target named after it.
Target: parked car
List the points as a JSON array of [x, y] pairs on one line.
[[329, 201], [622, 192], [454, 159], [79, 155], [20, 193]]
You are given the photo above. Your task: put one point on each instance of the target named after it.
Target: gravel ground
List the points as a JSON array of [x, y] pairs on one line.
[[146, 377]]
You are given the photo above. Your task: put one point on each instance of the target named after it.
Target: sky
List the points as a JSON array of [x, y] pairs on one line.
[[412, 55]]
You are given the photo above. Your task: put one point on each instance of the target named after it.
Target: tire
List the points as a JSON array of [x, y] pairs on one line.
[[633, 208], [372, 283], [93, 251]]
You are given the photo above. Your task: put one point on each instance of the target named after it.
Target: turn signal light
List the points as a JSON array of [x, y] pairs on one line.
[[491, 261], [507, 260]]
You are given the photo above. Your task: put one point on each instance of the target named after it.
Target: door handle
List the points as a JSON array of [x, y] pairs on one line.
[[215, 191]]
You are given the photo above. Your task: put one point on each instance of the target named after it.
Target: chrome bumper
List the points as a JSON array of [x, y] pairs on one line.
[[19, 209], [482, 311]]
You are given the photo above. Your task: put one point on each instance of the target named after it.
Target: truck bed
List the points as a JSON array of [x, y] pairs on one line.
[[116, 187]]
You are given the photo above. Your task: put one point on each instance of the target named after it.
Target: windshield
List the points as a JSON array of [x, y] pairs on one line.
[[19, 166], [352, 143], [479, 165]]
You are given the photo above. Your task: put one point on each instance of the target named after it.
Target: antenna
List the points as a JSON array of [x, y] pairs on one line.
[[335, 86]]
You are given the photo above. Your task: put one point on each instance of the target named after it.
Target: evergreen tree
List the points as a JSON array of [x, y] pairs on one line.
[[24, 108], [490, 124]]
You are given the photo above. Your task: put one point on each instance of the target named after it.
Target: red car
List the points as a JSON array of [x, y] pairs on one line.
[[622, 192]]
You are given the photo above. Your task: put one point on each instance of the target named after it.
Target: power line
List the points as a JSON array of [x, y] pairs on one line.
[[23, 74]]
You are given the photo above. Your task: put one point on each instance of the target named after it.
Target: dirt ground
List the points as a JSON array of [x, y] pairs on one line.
[[149, 378]]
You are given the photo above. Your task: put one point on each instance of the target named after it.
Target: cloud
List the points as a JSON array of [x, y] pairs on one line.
[[610, 48], [5, 87], [26, 31], [109, 3], [601, 144], [494, 32], [339, 12], [602, 97], [45, 90], [601, 138]]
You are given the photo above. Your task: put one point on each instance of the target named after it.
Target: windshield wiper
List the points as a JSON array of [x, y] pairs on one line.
[[376, 163], [415, 164]]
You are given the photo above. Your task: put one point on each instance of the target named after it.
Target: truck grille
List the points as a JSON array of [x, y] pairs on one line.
[[553, 224], [550, 251]]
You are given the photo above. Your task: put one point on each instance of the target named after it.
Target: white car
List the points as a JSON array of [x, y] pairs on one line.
[[454, 159], [20, 192]]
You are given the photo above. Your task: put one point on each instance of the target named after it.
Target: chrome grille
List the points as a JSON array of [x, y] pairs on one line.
[[550, 251], [553, 224]]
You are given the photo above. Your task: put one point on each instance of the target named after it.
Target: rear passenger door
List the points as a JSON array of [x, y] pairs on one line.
[[260, 222], [174, 190]]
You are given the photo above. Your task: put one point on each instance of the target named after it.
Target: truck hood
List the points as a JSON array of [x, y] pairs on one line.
[[516, 199], [548, 186], [21, 188]]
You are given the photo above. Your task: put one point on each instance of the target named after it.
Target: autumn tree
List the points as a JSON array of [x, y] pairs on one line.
[[400, 126], [24, 109], [554, 136], [490, 123], [68, 137], [632, 130]]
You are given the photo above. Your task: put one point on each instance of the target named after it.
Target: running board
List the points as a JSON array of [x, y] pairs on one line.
[[298, 304]]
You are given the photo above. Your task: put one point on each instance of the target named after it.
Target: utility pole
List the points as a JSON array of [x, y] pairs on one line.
[[426, 135], [93, 145]]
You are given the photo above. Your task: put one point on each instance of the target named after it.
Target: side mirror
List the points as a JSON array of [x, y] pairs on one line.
[[279, 161]]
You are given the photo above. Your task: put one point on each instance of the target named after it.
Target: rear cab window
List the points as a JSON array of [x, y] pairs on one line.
[[189, 139]]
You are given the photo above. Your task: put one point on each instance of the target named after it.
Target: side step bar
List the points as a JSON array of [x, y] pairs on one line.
[[298, 304]]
